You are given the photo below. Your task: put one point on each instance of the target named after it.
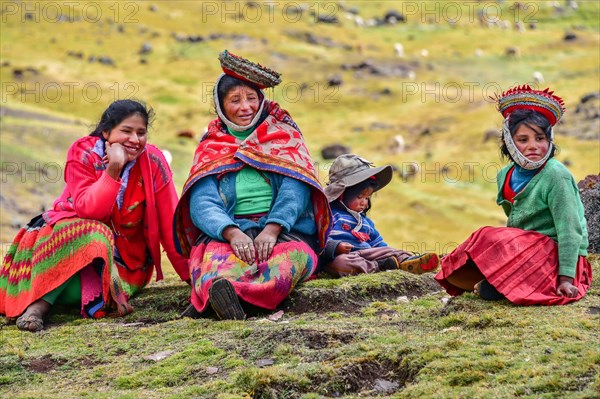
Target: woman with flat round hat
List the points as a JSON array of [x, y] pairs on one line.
[[253, 216]]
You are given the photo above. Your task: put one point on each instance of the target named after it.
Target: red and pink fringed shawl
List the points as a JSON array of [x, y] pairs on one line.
[[276, 145]]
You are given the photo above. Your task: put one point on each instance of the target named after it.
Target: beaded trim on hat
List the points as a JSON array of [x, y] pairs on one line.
[[524, 97], [249, 71]]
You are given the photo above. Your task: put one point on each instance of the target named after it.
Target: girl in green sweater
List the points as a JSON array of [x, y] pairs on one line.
[[540, 257]]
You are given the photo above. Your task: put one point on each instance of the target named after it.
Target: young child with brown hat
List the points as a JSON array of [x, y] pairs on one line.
[[354, 245]]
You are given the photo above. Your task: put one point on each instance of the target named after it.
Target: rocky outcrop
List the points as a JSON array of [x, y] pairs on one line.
[[589, 189]]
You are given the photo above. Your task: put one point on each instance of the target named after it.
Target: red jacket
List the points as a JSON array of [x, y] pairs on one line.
[[90, 193]]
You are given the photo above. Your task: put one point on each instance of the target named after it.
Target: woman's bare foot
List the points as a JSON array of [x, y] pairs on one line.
[[477, 288], [33, 318]]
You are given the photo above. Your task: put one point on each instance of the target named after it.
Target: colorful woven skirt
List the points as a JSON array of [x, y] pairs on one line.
[[43, 257], [265, 285], [522, 265]]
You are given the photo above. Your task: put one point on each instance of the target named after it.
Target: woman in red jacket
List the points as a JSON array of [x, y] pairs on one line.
[[100, 244]]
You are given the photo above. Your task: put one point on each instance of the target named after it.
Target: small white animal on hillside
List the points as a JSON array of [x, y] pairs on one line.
[[397, 144], [399, 48]]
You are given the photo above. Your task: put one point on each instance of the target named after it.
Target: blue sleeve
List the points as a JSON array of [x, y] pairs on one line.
[[335, 237], [376, 238], [329, 251], [207, 209], [292, 199], [337, 232]]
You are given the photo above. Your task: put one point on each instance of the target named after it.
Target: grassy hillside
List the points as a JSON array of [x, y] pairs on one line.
[[54, 90], [447, 97]]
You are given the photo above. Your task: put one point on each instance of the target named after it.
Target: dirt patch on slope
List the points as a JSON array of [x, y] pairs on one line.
[[357, 294], [362, 378], [43, 364], [312, 339]]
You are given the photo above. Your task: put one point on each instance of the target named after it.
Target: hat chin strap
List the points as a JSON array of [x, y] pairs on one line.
[[356, 216], [517, 155], [229, 123]]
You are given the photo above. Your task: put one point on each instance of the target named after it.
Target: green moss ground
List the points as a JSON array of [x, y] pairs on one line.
[[335, 339]]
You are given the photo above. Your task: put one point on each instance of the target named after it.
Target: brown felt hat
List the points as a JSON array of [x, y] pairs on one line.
[[349, 169]]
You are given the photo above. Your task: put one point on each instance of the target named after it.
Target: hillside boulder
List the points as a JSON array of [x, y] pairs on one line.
[[392, 17], [583, 122], [589, 189], [335, 150], [491, 134], [186, 134], [146, 48]]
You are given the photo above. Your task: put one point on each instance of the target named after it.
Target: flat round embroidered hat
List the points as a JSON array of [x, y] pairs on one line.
[[350, 169], [249, 71], [524, 97]]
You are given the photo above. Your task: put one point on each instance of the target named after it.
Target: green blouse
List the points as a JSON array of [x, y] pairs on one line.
[[253, 191]]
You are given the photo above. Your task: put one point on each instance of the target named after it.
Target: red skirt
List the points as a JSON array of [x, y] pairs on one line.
[[521, 264]]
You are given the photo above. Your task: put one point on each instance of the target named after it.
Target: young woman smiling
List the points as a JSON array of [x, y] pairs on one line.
[[100, 244]]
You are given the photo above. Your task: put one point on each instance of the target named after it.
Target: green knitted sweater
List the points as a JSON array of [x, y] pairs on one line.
[[550, 204]]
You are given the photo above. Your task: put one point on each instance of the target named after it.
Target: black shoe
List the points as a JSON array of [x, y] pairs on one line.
[[390, 263], [489, 292], [190, 311], [224, 300]]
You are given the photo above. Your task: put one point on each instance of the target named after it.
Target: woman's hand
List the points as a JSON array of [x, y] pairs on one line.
[[566, 287], [343, 248], [115, 159], [266, 240], [242, 245]]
